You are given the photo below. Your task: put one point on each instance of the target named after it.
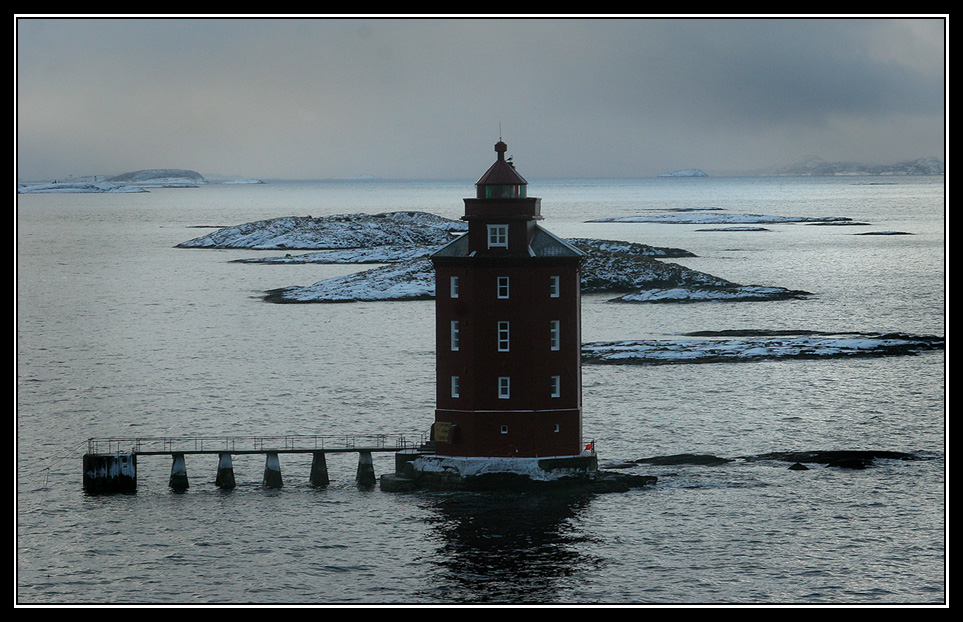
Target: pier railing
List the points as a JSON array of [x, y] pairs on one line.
[[291, 443]]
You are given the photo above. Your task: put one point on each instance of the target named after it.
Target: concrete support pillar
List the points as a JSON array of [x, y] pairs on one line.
[[178, 472], [366, 474], [225, 472], [272, 471], [109, 473], [319, 470]]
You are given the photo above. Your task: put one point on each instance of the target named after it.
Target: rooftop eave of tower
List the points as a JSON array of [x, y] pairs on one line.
[[543, 244], [501, 173]]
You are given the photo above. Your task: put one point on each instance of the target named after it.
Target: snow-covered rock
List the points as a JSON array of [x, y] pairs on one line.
[[754, 347], [410, 280], [613, 268], [135, 181], [161, 178], [333, 232], [725, 293], [404, 240], [704, 217], [647, 278], [378, 254], [394, 253], [77, 186], [401, 242], [595, 245]]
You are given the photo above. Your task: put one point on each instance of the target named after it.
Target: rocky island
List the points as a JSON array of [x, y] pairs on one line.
[[397, 245], [402, 241]]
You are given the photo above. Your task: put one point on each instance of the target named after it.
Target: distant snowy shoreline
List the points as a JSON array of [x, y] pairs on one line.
[[136, 181], [689, 172], [76, 187]]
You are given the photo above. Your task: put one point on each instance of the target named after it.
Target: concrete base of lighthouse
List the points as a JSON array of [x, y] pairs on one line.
[[415, 470]]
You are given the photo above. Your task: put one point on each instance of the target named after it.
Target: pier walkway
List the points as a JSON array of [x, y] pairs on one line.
[[110, 464]]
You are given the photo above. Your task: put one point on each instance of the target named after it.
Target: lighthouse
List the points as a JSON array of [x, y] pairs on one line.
[[508, 343]]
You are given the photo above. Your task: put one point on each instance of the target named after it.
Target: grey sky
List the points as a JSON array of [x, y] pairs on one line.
[[405, 97]]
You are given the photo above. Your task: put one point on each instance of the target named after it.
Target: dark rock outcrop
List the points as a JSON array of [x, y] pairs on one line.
[[845, 459]]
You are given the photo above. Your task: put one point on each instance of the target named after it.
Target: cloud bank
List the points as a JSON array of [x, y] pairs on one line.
[[426, 98]]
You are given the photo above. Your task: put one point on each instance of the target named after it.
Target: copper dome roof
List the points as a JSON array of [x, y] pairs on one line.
[[502, 172]]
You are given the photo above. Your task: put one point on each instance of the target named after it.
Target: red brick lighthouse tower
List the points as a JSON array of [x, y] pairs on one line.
[[508, 338]]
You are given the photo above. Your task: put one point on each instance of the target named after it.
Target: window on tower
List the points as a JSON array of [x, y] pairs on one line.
[[503, 287], [556, 386], [504, 387], [553, 333], [497, 236], [503, 341], [553, 286], [455, 386], [455, 337], [454, 287]]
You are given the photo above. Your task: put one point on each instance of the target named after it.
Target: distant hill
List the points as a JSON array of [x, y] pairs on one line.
[[689, 172], [816, 166], [166, 177]]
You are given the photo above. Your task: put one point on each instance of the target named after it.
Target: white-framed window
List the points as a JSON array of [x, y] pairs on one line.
[[556, 386], [502, 287], [455, 386], [553, 286], [454, 287], [455, 335], [504, 387], [553, 334], [497, 236], [503, 334], [504, 429]]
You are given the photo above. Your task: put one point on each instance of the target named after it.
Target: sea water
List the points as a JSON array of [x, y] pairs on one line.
[[120, 334]]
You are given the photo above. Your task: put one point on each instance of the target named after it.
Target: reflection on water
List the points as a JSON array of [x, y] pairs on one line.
[[507, 548]]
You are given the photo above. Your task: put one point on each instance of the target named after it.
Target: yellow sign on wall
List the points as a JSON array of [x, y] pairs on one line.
[[442, 431]]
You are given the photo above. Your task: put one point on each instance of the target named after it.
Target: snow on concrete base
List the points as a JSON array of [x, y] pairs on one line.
[[447, 473], [536, 469]]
